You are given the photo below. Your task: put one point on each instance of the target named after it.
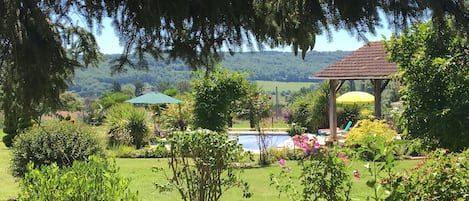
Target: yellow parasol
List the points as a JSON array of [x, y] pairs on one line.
[[355, 97]]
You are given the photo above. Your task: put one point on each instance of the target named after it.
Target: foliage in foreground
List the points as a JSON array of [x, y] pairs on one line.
[[61, 143], [442, 176], [203, 165], [433, 70], [95, 179], [324, 174]]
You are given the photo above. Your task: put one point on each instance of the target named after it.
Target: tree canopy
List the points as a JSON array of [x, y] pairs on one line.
[[196, 30], [435, 77]]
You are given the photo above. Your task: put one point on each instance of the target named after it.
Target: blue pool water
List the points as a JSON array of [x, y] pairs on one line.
[[249, 141]]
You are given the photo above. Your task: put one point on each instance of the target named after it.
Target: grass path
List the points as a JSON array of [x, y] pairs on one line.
[[9, 188]]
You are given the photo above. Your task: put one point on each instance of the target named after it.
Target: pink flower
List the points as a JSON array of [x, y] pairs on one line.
[[357, 174], [316, 144], [301, 141], [344, 158], [282, 162]]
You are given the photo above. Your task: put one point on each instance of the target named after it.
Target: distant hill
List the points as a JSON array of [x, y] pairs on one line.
[[267, 66]]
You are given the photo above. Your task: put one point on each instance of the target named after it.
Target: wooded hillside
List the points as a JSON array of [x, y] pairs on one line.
[[269, 66]]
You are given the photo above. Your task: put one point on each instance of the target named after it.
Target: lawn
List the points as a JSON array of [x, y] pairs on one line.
[[283, 86], [143, 179], [9, 188]]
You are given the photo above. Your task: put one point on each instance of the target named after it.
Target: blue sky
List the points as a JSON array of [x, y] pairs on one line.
[[341, 40]]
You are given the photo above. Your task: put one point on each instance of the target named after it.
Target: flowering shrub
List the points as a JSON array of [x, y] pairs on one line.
[[307, 144], [442, 176], [369, 129], [370, 139], [324, 174]]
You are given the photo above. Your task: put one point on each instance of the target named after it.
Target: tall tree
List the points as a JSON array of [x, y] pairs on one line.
[[434, 73], [139, 87], [36, 66], [116, 86], [255, 106], [215, 95]]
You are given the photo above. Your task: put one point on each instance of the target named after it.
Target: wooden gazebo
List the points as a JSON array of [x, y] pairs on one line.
[[367, 63]]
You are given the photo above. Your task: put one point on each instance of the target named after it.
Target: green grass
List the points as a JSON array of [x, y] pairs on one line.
[[266, 124], [143, 179], [269, 87], [9, 188], [283, 86]]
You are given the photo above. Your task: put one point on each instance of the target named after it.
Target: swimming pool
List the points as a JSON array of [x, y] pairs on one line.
[[249, 140]]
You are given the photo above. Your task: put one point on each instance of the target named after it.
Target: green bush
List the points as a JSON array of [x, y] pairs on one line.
[[348, 112], [121, 151], [295, 130], [311, 110], [177, 116], [127, 123], [443, 176], [147, 152], [287, 154], [95, 179], [203, 165], [323, 176], [61, 143], [369, 129], [151, 152]]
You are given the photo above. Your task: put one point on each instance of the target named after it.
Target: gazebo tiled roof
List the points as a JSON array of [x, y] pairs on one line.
[[368, 62]]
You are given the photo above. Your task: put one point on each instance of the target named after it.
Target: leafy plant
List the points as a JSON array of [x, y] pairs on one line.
[[324, 175], [433, 70], [311, 109], [203, 165], [442, 176], [295, 129], [366, 129], [381, 155], [348, 112], [127, 124], [94, 179], [61, 143], [214, 96], [178, 117], [256, 106]]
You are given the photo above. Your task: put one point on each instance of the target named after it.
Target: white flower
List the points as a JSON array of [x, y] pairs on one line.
[[367, 166]]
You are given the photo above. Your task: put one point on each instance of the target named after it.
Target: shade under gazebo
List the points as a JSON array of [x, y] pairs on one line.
[[153, 98]]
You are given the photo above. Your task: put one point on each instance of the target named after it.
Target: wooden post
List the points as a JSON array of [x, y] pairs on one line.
[[377, 91], [332, 110]]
